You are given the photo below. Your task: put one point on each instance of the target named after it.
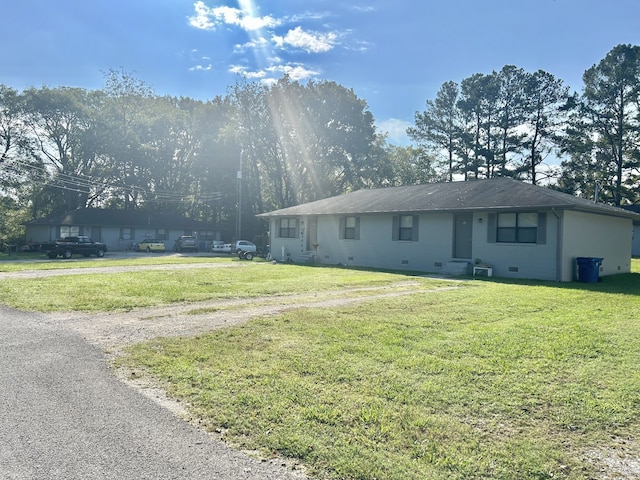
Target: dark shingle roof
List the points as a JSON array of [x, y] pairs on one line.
[[120, 218], [635, 209], [487, 195]]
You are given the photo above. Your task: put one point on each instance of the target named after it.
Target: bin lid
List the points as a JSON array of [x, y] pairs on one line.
[[593, 260]]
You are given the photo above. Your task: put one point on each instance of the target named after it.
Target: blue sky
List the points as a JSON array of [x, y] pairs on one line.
[[394, 54]]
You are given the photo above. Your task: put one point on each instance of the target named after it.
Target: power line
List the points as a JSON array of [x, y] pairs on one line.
[[83, 184]]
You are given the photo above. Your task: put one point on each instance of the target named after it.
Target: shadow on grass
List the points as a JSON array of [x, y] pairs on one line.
[[625, 283]]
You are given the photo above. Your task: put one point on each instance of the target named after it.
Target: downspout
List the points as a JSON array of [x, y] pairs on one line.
[[559, 244]]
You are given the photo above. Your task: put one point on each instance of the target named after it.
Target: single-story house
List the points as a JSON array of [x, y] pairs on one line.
[[635, 244], [518, 229], [120, 229]]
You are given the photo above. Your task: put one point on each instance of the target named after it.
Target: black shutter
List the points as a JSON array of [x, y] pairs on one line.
[[491, 228], [356, 235], [395, 228], [542, 228], [414, 229], [343, 225]]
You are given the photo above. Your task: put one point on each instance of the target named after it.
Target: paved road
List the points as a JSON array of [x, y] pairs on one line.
[[63, 415]]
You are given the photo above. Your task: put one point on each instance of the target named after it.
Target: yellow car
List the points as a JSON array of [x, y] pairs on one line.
[[149, 245]]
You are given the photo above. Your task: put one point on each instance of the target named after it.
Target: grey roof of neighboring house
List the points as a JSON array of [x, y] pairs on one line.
[[111, 217], [635, 209], [497, 194]]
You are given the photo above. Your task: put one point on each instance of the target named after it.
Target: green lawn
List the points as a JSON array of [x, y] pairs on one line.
[[222, 279], [38, 261], [494, 379]]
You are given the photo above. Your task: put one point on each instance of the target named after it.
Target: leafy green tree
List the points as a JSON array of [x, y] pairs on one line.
[[510, 117], [547, 104], [250, 129], [63, 126], [126, 122], [606, 127], [439, 127], [479, 104], [303, 142], [18, 169], [412, 166], [12, 130]]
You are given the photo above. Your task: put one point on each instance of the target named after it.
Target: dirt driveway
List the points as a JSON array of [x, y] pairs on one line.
[[113, 330]]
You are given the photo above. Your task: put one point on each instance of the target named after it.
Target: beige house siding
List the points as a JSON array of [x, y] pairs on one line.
[[456, 220], [590, 235], [568, 234], [519, 260]]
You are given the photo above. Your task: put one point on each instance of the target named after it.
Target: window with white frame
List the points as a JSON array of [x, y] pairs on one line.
[[405, 228], [405, 224], [350, 228]]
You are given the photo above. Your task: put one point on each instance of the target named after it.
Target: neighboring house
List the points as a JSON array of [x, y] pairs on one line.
[[635, 245], [120, 229], [521, 230]]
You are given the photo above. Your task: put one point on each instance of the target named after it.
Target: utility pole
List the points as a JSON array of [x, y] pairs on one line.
[[239, 215]]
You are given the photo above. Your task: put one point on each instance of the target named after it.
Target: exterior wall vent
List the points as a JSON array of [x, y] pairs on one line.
[[405, 262], [513, 269]]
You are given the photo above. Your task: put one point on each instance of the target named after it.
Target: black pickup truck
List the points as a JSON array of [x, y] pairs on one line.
[[69, 246]]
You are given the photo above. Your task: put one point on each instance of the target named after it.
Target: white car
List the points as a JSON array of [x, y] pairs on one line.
[[220, 247], [245, 246]]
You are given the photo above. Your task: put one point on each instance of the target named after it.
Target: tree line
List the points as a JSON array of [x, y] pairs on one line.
[[125, 147], [531, 127], [287, 143]]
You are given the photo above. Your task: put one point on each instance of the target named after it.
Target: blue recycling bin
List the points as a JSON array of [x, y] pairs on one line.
[[589, 269]]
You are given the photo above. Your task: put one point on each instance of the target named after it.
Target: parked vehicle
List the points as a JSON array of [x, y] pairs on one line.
[[150, 245], [69, 246], [220, 247], [245, 249], [245, 246], [186, 243]]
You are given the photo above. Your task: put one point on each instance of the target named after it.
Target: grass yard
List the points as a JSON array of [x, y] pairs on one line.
[[223, 279], [37, 261], [498, 379], [493, 379]]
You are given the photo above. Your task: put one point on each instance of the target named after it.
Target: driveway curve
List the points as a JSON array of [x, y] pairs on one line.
[[64, 415]]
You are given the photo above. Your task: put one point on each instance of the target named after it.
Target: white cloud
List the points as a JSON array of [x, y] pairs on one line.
[[257, 43], [271, 74], [269, 81], [239, 69], [306, 16], [295, 72], [396, 130], [201, 19], [201, 68], [245, 72], [208, 18], [256, 75], [363, 8], [312, 42]]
